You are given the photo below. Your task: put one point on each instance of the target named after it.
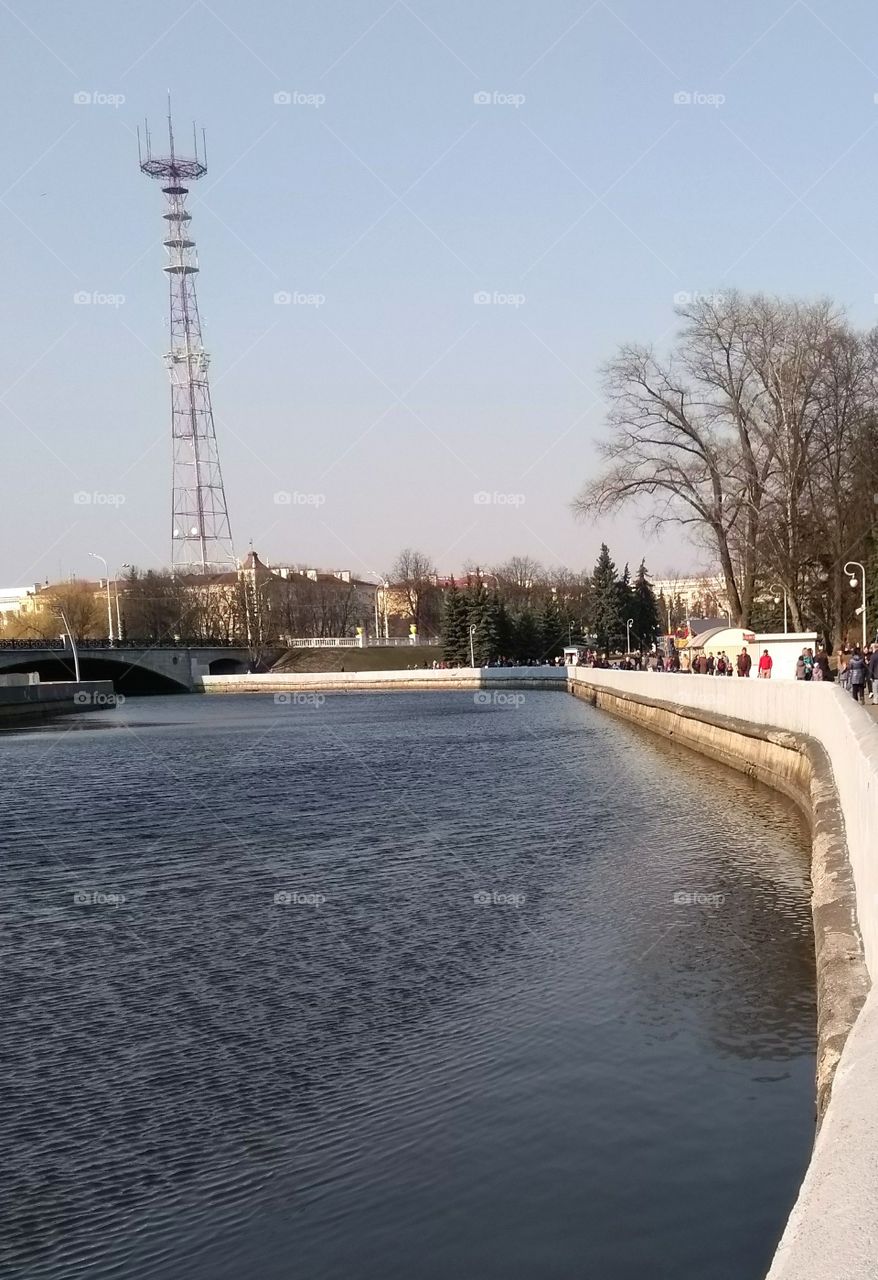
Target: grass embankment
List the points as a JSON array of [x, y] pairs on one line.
[[392, 658]]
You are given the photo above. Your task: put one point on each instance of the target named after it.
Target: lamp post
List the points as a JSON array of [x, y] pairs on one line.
[[95, 556], [385, 586], [472, 652], [785, 599], [849, 568], [126, 565], [72, 645], [628, 625]]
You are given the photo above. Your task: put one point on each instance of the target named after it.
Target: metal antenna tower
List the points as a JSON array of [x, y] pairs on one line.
[[201, 538]]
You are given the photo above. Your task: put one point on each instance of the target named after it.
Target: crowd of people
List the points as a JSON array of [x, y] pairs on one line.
[[857, 669]]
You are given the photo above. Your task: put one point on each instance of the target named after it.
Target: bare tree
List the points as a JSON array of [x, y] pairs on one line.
[[415, 575]]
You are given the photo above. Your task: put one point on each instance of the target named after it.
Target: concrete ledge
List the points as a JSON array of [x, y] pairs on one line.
[[387, 681], [817, 746], [22, 702], [798, 767]]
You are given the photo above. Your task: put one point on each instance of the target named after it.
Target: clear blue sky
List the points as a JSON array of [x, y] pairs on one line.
[[398, 198]]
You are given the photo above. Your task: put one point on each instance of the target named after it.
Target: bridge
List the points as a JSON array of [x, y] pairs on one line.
[[133, 668]]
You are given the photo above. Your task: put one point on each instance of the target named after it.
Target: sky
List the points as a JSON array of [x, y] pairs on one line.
[[426, 226]]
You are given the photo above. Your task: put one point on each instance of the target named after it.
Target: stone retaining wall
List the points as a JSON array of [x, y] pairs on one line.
[[389, 681], [816, 745]]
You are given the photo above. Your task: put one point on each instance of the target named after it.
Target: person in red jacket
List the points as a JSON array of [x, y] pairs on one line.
[[765, 665]]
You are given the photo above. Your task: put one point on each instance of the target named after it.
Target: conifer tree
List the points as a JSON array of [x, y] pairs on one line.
[[606, 619], [527, 637], [644, 609], [553, 631], [455, 636]]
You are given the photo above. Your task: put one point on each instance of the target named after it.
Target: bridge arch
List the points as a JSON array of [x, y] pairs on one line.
[[128, 676]]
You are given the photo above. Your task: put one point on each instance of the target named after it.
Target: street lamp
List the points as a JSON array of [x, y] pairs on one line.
[[472, 652], [385, 586], [777, 601], [849, 568], [95, 556], [628, 625], [126, 565]]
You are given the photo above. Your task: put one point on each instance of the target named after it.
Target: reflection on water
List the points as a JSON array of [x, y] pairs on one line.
[[260, 1021]]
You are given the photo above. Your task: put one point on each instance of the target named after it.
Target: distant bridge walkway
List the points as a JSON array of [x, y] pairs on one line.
[[133, 668]]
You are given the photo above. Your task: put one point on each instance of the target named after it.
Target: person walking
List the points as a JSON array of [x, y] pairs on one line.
[[873, 672], [744, 663], [857, 671], [800, 666], [765, 665], [821, 664]]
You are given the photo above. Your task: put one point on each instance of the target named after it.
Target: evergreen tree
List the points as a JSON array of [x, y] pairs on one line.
[[606, 619], [644, 609], [553, 631], [527, 637], [505, 630], [455, 636], [486, 637]]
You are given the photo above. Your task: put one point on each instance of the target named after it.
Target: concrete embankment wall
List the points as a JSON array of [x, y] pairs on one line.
[[22, 702], [390, 681], [815, 744]]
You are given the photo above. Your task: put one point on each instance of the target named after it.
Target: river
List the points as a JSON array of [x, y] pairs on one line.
[[375, 987]]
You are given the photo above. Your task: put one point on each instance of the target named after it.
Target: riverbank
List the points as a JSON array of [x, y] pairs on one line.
[[22, 701], [466, 678], [816, 745]]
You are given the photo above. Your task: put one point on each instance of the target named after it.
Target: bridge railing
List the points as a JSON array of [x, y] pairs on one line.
[[60, 646]]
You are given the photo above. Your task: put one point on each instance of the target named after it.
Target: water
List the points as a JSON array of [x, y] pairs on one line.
[[579, 1078]]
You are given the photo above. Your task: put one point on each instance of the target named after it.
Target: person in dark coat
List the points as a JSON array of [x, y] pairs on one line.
[[857, 669], [822, 661], [873, 672], [744, 662]]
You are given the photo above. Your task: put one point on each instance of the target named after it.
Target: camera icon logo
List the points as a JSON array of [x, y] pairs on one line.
[[282, 498], [683, 98], [482, 498], [283, 98], [481, 99], [82, 298], [283, 298], [282, 699], [482, 699], [283, 898], [81, 99], [82, 499]]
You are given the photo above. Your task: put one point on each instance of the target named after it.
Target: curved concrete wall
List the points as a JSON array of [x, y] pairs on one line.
[[385, 681], [832, 1233]]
